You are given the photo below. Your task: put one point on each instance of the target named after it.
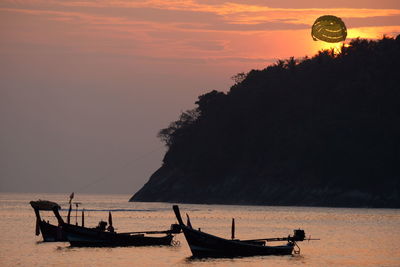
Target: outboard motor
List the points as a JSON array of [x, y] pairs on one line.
[[299, 235], [101, 226], [175, 229]]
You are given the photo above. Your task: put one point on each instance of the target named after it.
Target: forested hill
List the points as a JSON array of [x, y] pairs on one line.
[[320, 131]]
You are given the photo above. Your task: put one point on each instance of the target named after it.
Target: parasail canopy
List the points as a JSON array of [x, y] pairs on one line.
[[329, 29]]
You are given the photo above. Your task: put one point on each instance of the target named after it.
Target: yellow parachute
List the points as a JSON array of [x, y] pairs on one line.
[[329, 28]]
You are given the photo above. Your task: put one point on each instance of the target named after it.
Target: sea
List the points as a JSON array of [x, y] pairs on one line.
[[348, 236]]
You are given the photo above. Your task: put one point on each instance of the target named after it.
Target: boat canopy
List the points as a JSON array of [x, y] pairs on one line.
[[44, 205]]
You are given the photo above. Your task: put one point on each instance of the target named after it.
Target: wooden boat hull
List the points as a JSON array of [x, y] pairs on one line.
[[206, 245], [79, 236], [52, 233]]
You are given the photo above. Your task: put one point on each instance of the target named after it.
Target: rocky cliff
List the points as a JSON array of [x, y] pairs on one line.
[[320, 131]]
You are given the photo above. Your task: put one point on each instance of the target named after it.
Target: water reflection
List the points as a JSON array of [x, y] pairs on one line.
[[194, 260], [349, 237]]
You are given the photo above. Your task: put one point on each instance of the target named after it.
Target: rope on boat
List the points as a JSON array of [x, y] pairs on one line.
[[296, 251], [176, 243]]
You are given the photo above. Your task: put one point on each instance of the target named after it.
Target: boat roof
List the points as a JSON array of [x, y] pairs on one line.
[[44, 205]]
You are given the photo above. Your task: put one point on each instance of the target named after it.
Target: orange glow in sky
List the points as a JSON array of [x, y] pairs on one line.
[[85, 84], [185, 30]]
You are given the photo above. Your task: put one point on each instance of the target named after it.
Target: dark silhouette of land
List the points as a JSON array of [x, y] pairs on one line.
[[320, 131]]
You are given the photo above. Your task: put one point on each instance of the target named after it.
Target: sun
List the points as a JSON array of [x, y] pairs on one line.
[[372, 33]]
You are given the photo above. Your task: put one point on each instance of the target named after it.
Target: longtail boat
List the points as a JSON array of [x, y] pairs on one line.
[[79, 236], [50, 232], [206, 245], [99, 236]]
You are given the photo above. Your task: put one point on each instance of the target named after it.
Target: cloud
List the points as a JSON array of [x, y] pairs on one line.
[[88, 82], [373, 21], [188, 14], [239, 27], [395, 4], [175, 27]]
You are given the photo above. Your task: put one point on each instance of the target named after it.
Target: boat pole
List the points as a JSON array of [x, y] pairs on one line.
[[233, 229], [69, 213], [110, 218], [83, 217], [70, 208], [76, 212], [178, 214], [37, 229], [188, 223]]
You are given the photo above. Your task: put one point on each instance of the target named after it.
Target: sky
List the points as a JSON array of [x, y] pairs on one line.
[[85, 86]]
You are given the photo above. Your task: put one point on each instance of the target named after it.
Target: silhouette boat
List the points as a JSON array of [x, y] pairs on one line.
[[100, 236], [50, 232], [206, 245]]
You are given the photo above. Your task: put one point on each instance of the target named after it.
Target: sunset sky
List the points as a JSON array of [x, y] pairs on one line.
[[86, 85]]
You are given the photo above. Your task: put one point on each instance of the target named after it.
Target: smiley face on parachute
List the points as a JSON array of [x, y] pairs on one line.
[[329, 29]]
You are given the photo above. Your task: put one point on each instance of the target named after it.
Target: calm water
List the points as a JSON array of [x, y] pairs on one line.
[[350, 237]]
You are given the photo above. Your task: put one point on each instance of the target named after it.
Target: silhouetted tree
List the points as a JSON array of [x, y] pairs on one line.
[[238, 78], [330, 121]]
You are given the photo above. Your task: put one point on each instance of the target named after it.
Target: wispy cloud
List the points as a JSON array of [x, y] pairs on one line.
[[190, 11], [217, 29]]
